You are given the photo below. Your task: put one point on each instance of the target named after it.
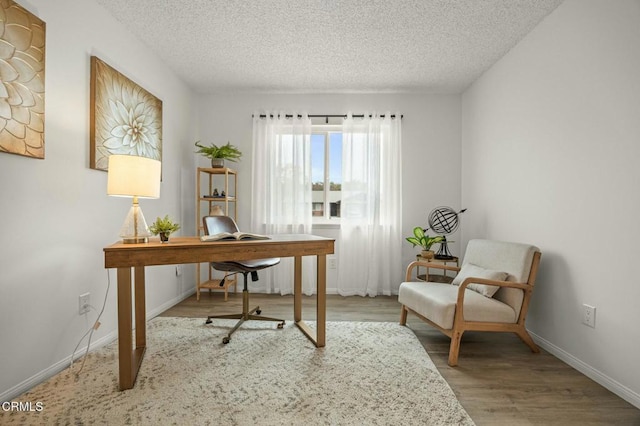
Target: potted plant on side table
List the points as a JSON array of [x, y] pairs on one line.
[[164, 228], [421, 239], [218, 154]]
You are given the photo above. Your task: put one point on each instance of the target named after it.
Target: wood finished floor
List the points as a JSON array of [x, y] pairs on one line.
[[498, 380]]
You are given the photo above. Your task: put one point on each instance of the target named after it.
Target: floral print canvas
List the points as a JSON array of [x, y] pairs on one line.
[[125, 118], [22, 43]]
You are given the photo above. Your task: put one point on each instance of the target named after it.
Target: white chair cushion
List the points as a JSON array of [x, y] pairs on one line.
[[513, 258], [475, 271], [437, 303]]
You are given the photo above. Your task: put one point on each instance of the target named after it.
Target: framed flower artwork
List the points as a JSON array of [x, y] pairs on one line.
[[124, 118], [22, 57]]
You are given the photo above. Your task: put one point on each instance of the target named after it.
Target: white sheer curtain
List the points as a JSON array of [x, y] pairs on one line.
[[281, 191], [370, 246]]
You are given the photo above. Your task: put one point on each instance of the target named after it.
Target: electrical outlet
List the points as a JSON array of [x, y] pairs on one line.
[[84, 303], [333, 262], [589, 315]]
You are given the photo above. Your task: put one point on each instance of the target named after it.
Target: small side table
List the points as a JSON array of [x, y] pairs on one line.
[[436, 278]]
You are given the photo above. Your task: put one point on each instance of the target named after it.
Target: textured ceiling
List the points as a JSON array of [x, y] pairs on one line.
[[330, 46]]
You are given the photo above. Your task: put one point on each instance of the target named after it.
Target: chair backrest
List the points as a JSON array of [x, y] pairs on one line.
[[217, 224], [515, 259]]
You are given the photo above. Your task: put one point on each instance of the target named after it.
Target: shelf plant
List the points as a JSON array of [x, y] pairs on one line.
[[163, 227], [218, 154]]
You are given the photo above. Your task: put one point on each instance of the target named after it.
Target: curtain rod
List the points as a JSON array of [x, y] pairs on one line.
[[327, 116]]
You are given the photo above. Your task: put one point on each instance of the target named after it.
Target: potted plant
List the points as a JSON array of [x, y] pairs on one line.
[[218, 154], [164, 228], [421, 239]]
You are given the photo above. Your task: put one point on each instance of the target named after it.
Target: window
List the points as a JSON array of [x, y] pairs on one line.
[[326, 173]]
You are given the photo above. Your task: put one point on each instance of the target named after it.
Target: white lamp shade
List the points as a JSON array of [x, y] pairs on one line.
[[132, 176]]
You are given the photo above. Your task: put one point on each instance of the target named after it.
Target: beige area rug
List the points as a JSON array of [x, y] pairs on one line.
[[370, 373]]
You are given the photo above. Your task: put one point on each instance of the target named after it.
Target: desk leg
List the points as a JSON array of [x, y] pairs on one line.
[[317, 337], [125, 334], [321, 302], [141, 309], [297, 289], [129, 359]]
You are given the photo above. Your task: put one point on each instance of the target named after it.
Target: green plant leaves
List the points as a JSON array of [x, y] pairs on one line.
[[227, 151], [163, 225], [423, 240], [414, 241]]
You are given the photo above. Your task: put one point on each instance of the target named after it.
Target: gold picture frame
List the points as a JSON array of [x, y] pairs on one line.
[[124, 118], [22, 60]]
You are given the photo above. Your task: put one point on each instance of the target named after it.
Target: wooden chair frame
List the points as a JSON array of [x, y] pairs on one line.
[[459, 323]]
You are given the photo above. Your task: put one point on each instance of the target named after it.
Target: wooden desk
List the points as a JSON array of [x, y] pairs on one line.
[[126, 257]]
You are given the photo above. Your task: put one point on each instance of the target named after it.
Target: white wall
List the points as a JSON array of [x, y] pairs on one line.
[[430, 137], [550, 151], [55, 214]]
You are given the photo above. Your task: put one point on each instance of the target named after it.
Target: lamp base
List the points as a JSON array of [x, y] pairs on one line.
[[134, 229], [134, 240]]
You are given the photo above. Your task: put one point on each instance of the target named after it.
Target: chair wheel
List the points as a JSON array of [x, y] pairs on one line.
[[208, 321], [281, 324], [225, 340], [258, 312]]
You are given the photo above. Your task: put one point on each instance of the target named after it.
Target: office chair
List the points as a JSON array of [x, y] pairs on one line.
[[214, 225]]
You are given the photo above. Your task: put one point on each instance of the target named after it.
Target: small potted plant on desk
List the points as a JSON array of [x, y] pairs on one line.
[[164, 228], [421, 239], [218, 154]]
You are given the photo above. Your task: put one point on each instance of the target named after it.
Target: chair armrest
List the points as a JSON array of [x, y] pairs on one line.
[[422, 263], [472, 280], [511, 284]]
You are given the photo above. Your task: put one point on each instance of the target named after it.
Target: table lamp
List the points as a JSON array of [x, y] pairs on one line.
[[136, 177]]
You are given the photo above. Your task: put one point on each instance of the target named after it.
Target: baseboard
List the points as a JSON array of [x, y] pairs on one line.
[[618, 388], [56, 368], [160, 309], [59, 366]]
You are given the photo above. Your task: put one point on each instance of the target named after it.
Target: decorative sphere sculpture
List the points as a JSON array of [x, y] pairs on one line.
[[443, 220]]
